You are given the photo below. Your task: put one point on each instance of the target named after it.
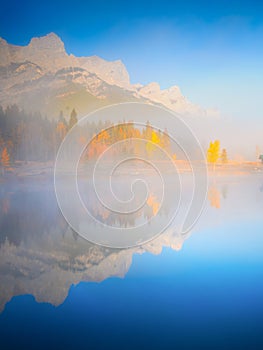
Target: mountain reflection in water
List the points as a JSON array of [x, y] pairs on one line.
[[41, 255]]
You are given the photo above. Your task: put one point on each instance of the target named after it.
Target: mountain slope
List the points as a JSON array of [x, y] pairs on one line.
[[42, 76]]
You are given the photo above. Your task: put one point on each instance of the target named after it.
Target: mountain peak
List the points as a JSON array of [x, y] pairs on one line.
[[3, 41], [48, 56], [50, 41], [152, 88]]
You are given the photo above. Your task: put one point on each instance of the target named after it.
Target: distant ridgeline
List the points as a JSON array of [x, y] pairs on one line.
[[34, 137]]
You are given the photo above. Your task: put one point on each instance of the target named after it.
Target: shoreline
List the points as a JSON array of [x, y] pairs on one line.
[[45, 170]]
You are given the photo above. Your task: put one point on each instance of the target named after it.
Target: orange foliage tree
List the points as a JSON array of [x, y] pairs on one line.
[[5, 159], [128, 131]]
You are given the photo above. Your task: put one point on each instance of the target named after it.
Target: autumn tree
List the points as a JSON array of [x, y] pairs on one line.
[[213, 152], [151, 144], [5, 159]]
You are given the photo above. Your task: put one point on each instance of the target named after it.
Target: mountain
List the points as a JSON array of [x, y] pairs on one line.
[[42, 76]]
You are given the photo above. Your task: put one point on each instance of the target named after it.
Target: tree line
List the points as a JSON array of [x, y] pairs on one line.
[[34, 137], [214, 153], [30, 136]]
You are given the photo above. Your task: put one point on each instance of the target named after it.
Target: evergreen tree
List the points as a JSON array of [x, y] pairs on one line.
[[224, 156], [73, 118]]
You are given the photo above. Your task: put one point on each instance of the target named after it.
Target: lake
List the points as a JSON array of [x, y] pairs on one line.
[[200, 290]]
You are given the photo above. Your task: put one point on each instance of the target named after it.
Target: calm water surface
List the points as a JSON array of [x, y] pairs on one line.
[[203, 290]]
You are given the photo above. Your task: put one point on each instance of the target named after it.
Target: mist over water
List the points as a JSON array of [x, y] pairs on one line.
[[41, 256], [240, 137]]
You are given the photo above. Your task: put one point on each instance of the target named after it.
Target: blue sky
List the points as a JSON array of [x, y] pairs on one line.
[[211, 49]]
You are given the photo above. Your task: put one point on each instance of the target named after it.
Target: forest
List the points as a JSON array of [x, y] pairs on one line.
[[34, 137]]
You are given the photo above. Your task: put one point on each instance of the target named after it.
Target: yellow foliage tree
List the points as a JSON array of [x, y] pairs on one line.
[[213, 152], [155, 140]]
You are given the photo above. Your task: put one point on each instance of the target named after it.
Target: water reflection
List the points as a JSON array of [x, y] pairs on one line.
[[214, 197], [42, 256], [216, 193]]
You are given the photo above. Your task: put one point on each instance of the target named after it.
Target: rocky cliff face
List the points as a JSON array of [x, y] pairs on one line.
[[171, 98], [49, 53], [43, 76]]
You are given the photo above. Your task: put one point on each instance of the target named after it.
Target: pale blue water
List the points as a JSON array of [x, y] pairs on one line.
[[205, 295]]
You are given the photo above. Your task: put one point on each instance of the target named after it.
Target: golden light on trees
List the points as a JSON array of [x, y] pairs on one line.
[[103, 137], [154, 140], [213, 152], [5, 158]]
